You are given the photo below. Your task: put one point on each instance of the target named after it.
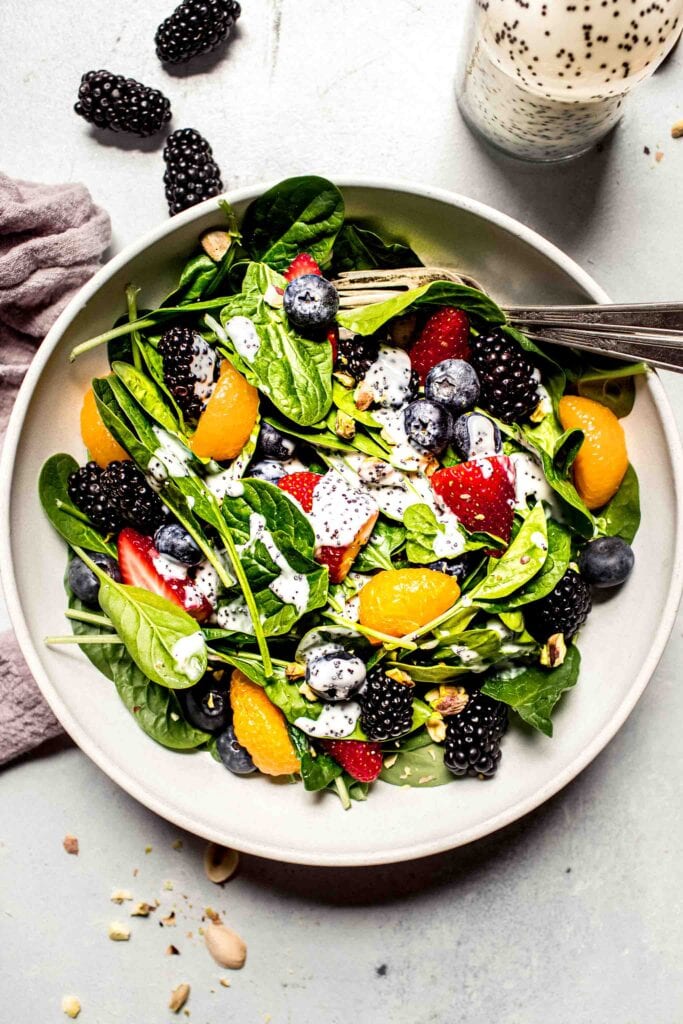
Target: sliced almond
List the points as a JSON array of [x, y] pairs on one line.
[[179, 997], [142, 909], [120, 895], [225, 946], [220, 863], [118, 932], [216, 243]]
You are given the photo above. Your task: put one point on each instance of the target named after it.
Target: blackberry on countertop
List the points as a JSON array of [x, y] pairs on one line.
[[509, 385], [191, 174], [190, 369], [473, 737], [121, 104], [386, 706], [128, 491], [356, 353], [563, 610], [88, 494], [197, 26]]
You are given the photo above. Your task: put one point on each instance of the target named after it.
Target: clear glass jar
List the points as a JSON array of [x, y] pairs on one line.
[[547, 79]]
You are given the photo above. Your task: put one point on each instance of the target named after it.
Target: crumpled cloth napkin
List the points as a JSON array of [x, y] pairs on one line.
[[52, 239]]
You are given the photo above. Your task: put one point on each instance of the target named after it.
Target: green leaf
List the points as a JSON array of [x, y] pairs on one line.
[[369, 319], [386, 538], [301, 214], [148, 395], [612, 386], [534, 691], [553, 444], [554, 568], [66, 518], [343, 399], [520, 563], [196, 276], [422, 768], [358, 248], [621, 517], [318, 769]]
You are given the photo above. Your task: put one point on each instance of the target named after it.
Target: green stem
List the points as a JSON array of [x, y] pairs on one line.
[[82, 616], [72, 511], [342, 790], [374, 634], [96, 638], [241, 576], [131, 301]]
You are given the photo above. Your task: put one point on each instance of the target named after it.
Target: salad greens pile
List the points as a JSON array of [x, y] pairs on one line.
[[252, 535]]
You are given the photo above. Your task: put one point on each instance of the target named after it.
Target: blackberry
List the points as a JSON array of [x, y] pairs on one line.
[[190, 369], [121, 104], [191, 175], [563, 610], [356, 353], [509, 388], [87, 493], [473, 737], [197, 26], [386, 706], [128, 491]]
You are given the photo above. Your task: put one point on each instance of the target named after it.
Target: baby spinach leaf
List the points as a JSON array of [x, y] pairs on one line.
[[286, 696], [343, 399], [612, 385], [318, 769], [621, 517], [386, 538], [534, 691], [147, 394], [422, 529], [520, 563], [554, 568], [66, 518], [297, 215], [553, 444], [358, 248], [195, 277], [422, 768], [279, 511], [368, 319]]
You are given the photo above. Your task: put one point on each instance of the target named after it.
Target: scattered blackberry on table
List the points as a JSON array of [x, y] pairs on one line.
[[356, 354], [563, 610], [473, 737], [121, 104], [190, 369], [197, 26], [192, 175], [386, 706], [89, 495], [128, 491], [509, 388]]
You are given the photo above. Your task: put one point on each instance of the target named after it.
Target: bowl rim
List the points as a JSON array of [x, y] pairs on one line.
[[136, 788]]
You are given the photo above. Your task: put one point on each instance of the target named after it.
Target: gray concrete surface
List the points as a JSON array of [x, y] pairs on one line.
[[573, 915]]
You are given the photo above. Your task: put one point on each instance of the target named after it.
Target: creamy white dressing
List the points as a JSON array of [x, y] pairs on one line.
[[290, 587], [482, 433], [333, 675], [539, 540], [187, 654], [244, 336], [530, 481], [293, 465], [173, 455], [234, 616], [404, 455], [202, 367], [204, 580], [389, 377], [336, 720], [157, 474], [169, 568], [340, 511], [224, 485]]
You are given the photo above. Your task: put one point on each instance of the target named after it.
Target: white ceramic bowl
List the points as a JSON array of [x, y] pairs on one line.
[[621, 643]]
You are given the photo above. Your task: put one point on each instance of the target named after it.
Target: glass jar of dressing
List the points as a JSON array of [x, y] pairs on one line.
[[547, 79]]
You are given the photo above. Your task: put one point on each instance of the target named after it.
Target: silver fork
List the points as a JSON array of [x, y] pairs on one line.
[[650, 332]]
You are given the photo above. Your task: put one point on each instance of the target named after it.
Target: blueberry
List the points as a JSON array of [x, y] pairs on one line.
[[475, 435], [310, 301], [428, 425], [454, 383], [606, 562], [335, 674], [234, 756], [458, 568], [206, 705], [274, 445], [174, 541], [267, 470], [83, 580]]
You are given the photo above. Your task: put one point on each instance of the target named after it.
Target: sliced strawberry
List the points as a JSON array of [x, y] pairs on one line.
[[333, 338], [137, 558], [340, 560], [300, 265], [363, 761], [445, 335], [301, 487], [481, 493]]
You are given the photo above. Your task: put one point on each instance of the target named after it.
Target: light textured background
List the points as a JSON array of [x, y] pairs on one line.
[[572, 915]]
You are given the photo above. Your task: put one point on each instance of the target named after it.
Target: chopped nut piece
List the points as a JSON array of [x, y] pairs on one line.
[[169, 922], [308, 693], [118, 932], [400, 677], [216, 243], [70, 844], [390, 761], [344, 426], [220, 864], [677, 130], [425, 779], [71, 1006], [212, 915], [448, 700], [172, 951], [345, 379], [295, 671], [554, 652], [119, 895], [142, 910], [225, 946], [177, 844], [179, 997], [148, 849], [224, 982], [436, 728], [168, 885]]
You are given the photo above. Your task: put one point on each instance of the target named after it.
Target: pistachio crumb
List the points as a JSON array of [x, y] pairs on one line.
[[70, 844], [71, 1006]]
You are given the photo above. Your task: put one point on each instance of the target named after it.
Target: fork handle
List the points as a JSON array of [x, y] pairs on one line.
[[662, 315], [665, 356]]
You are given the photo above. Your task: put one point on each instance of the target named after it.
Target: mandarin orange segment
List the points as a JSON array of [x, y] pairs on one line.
[[229, 417], [261, 728], [602, 460], [398, 601], [103, 447]]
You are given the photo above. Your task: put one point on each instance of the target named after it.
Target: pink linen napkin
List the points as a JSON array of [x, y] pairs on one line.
[[52, 239]]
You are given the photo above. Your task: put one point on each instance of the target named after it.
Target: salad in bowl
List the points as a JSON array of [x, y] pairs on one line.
[[345, 545]]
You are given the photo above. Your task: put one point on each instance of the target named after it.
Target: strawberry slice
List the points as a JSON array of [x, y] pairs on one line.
[[300, 265], [300, 486], [140, 564], [363, 761], [333, 338], [481, 493], [445, 335]]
